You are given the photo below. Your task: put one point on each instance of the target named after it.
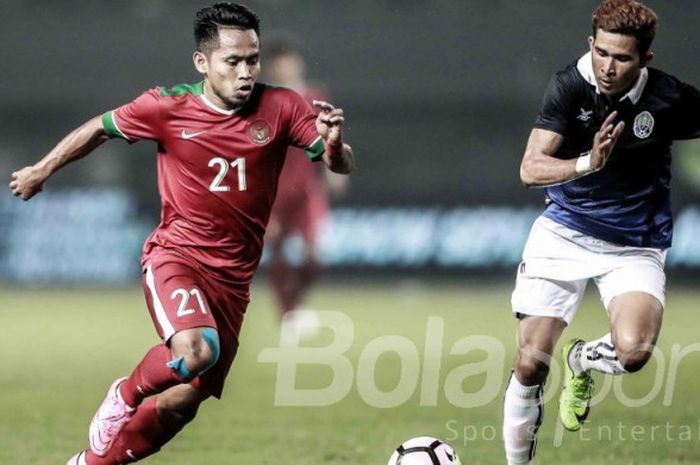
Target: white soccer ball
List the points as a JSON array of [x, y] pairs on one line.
[[424, 450]]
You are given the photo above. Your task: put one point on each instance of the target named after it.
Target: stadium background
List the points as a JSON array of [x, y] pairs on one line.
[[440, 97]]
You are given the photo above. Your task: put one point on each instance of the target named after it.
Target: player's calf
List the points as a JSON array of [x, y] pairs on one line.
[[179, 405]]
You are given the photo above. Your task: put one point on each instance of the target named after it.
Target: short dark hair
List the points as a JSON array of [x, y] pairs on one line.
[[627, 17], [227, 14]]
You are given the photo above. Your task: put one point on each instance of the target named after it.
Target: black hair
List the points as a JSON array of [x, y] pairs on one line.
[[210, 19]]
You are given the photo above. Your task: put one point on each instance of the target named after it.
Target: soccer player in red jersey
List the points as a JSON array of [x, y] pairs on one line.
[[303, 198], [221, 145]]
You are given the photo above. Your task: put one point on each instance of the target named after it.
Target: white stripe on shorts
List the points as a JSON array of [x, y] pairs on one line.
[[161, 316]]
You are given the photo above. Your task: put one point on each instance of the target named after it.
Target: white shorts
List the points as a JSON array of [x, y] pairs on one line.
[[558, 262]]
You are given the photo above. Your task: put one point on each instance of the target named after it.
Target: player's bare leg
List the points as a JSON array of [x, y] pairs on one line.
[[191, 353], [635, 322], [523, 408]]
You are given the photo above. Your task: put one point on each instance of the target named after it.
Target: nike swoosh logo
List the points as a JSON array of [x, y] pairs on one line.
[[130, 453], [189, 135]]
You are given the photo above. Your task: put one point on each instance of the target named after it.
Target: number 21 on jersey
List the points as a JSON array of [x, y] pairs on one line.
[[219, 183]]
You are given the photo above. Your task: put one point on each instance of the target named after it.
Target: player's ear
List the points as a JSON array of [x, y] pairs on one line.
[[591, 41], [200, 62], [646, 59]]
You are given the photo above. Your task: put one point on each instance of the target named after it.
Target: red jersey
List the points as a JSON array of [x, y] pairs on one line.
[[299, 181], [217, 169]]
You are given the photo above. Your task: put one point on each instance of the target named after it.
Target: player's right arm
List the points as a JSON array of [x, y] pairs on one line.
[[29, 181], [137, 120], [540, 167]]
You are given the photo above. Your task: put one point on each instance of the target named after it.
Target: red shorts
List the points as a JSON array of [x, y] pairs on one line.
[[180, 295]]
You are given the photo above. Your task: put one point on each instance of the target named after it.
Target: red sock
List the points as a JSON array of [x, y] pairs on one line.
[[151, 376], [144, 435]]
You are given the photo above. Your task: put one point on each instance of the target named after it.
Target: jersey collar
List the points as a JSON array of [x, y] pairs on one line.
[[214, 107], [585, 68]]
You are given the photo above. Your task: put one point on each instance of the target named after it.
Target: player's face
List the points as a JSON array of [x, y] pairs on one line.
[[231, 70], [616, 61]]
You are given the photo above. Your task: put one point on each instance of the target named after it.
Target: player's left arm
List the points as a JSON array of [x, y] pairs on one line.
[[337, 156]]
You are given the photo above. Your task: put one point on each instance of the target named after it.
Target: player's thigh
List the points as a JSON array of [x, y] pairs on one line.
[[635, 320], [176, 299]]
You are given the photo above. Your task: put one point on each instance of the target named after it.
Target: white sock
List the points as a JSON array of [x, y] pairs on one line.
[[598, 355], [522, 415]]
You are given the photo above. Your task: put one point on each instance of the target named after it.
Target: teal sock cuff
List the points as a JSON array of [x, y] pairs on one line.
[[180, 368], [211, 337]]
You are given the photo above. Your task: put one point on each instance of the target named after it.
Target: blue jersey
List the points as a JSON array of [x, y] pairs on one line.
[[628, 201]]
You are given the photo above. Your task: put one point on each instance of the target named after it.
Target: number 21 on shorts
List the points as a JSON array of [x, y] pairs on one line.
[[184, 296]]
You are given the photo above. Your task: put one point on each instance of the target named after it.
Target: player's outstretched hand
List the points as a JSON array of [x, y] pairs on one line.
[[604, 141], [329, 123], [27, 182]]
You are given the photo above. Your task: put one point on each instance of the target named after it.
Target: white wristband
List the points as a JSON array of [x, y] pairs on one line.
[[583, 163]]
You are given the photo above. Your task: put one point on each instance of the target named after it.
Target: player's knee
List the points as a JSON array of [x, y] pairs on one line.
[[530, 367], [633, 351], [635, 357], [211, 340], [196, 354]]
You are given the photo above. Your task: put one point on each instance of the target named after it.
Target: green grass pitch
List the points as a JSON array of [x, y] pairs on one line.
[[60, 350]]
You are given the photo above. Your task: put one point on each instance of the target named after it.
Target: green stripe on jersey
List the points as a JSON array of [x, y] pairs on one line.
[[316, 149], [110, 126], [177, 90]]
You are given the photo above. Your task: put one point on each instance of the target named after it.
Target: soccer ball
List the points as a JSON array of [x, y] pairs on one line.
[[424, 450]]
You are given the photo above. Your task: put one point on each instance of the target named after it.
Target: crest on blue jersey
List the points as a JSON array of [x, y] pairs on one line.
[[643, 125], [585, 115]]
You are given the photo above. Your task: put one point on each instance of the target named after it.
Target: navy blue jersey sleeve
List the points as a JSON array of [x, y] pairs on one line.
[[687, 119], [556, 105]]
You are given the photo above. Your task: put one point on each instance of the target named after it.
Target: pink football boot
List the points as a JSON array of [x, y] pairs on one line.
[[109, 420]]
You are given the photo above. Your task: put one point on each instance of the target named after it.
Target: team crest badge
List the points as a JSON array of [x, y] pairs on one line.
[[643, 125], [259, 132], [585, 115]]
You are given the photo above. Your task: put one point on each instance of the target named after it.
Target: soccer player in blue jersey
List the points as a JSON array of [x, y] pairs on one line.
[[600, 148]]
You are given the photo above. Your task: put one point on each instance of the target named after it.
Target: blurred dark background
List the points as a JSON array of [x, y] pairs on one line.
[[439, 95]]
